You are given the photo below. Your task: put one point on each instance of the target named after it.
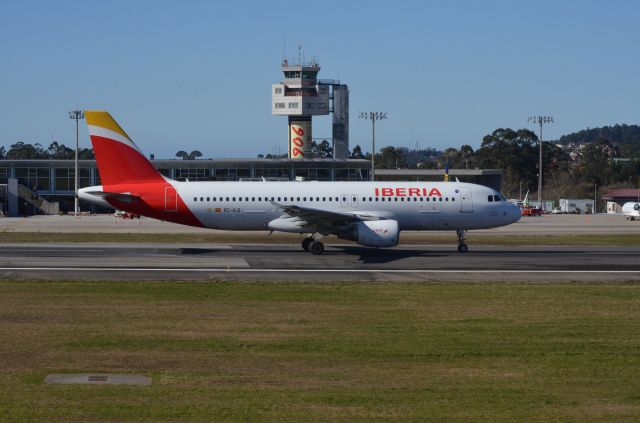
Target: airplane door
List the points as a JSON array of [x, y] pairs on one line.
[[344, 200], [170, 199], [466, 200]]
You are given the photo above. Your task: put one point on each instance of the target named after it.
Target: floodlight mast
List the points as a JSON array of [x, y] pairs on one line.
[[76, 115], [541, 121], [373, 116]]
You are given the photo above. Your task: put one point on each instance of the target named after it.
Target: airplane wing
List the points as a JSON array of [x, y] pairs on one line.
[[324, 218], [121, 197]]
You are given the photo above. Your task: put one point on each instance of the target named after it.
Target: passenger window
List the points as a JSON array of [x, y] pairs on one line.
[[395, 199], [239, 198], [195, 198], [304, 198], [214, 198], [278, 198], [285, 198], [201, 199], [298, 199], [227, 198], [208, 199], [253, 198], [441, 199], [453, 198], [421, 198], [376, 198]]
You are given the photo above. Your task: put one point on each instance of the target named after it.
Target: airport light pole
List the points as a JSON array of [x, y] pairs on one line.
[[540, 120], [76, 115], [373, 116]]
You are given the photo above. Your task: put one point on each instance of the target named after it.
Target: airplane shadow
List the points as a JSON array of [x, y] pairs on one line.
[[198, 251], [375, 255], [367, 255]]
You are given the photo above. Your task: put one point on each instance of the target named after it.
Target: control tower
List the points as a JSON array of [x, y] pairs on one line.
[[300, 96]]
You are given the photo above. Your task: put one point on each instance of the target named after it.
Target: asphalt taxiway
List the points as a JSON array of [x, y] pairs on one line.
[[284, 262]]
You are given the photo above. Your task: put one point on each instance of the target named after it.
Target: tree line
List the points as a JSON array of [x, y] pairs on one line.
[[55, 151], [513, 151], [516, 152]]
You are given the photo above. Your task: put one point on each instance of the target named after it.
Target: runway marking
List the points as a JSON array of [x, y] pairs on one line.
[[253, 270]]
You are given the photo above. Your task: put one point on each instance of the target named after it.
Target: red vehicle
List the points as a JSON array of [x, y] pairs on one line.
[[531, 211]]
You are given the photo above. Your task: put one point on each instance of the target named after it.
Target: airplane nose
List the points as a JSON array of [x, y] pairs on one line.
[[514, 213]]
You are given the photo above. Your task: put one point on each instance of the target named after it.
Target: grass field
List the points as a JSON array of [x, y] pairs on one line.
[[277, 238], [322, 352]]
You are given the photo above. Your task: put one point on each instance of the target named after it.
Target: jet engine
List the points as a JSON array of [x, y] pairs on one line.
[[372, 233]]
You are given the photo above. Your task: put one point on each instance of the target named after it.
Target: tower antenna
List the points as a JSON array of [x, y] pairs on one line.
[[284, 44]]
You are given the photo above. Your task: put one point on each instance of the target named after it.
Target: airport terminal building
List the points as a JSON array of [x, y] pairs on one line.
[[53, 180]]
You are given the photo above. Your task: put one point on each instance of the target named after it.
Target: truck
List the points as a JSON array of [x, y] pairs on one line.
[[576, 206]]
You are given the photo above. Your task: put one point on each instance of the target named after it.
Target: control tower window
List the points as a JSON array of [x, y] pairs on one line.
[[309, 75], [291, 74], [278, 90]]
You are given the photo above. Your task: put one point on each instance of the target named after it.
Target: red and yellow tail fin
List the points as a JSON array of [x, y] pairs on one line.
[[119, 159]]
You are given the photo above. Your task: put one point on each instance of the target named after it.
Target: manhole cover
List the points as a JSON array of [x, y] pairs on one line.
[[97, 379]]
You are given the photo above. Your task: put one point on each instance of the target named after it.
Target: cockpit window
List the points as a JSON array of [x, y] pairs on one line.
[[490, 198]]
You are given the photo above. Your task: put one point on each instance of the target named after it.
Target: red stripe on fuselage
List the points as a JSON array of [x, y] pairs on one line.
[[152, 202], [124, 170]]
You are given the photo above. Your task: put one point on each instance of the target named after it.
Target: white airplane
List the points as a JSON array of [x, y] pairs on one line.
[[370, 213], [631, 211]]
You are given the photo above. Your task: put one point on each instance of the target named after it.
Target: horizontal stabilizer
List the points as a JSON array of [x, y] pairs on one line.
[[120, 197]]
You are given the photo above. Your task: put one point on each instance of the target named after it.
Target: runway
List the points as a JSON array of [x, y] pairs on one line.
[[339, 263]]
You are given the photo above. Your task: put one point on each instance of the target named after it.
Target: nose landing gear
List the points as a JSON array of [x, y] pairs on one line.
[[462, 247]]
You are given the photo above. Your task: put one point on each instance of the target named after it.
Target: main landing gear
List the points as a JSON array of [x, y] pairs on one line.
[[314, 246], [462, 247]]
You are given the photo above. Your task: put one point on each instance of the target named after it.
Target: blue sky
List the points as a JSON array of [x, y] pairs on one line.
[[197, 75]]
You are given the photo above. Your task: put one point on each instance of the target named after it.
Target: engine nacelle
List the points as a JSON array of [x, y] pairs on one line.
[[373, 233]]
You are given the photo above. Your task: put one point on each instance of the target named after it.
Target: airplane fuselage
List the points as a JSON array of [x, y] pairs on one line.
[[252, 205]]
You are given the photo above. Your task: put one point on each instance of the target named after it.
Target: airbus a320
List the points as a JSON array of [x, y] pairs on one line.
[[372, 214]]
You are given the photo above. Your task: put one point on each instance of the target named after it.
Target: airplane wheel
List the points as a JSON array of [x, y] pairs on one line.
[[316, 248], [462, 248], [306, 242]]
